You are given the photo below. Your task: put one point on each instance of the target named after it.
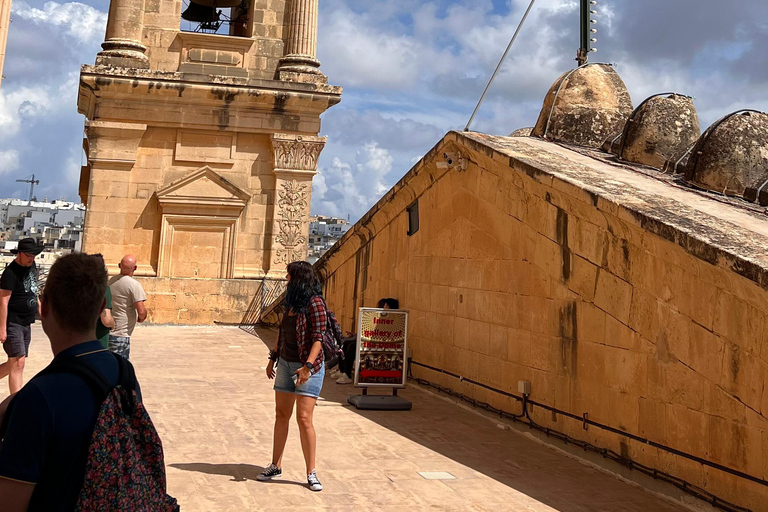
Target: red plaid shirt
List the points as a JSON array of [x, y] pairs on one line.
[[310, 329]]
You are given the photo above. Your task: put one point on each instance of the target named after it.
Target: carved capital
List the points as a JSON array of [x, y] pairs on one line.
[[297, 152]]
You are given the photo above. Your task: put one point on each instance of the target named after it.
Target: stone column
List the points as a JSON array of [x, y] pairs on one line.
[[301, 39], [5, 20], [122, 44], [295, 164]]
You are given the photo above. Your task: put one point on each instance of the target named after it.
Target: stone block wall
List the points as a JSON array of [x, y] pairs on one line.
[[517, 275], [197, 301], [124, 215]]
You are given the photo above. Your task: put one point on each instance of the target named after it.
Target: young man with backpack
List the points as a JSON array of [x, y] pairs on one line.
[[76, 436]]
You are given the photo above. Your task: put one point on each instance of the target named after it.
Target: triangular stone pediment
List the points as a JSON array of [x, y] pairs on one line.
[[203, 185]]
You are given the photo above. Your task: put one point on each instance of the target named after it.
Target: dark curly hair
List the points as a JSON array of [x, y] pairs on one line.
[[304, 285], [392, 303]]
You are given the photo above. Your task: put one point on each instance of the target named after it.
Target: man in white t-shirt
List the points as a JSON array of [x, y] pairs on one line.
[[128, 299]]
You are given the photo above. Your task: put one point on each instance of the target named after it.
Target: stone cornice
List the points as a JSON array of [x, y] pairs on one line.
[[156, 77], [216, 40], [263, 106], [702, 225]]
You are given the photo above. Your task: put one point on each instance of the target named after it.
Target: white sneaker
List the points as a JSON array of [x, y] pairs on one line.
[[343, 379], [334, 372], [314, 483]]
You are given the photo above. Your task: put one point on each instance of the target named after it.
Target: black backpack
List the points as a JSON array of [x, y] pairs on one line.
[[332, 340]]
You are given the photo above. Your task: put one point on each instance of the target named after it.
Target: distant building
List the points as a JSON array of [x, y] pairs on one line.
[[324, 232], [58, 224]]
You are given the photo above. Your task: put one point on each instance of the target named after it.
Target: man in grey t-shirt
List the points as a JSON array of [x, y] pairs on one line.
[[128, 299]]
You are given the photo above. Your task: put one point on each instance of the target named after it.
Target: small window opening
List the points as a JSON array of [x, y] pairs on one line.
[[224, 17], [413, 218]]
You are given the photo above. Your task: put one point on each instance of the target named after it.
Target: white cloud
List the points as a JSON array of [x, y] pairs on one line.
[[27, 104], [351, 189], [9, 161], [72, 167], [366, 56], [82, 22]]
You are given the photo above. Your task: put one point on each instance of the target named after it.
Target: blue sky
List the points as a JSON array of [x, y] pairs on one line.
[[411, 70]]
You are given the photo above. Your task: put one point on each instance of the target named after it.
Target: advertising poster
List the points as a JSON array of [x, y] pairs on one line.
[[381, 348]]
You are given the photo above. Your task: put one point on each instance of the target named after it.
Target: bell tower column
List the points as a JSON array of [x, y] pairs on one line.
[[301, 41], [122, 44], [5, 20]]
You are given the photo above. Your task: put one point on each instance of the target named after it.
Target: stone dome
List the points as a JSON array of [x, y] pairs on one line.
[[732, 157], [521, 132], [585, 106], [661, 130]]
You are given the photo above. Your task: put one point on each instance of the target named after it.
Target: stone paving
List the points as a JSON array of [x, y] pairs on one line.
[[207, 394]]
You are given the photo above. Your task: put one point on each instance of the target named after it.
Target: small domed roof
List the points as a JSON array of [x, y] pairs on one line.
[[585, 106], [521, 132], [660, 130], [732, 157]]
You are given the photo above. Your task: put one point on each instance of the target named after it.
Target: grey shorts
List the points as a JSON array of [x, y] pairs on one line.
[[17, 342]]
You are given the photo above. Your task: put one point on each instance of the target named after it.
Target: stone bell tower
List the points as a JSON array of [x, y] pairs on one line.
[[201, 147]]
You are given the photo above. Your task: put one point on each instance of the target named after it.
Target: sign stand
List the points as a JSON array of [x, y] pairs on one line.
[[380, 402], [381, 359]]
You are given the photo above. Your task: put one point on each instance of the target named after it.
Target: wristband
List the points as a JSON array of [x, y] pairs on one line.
[[273, 356]]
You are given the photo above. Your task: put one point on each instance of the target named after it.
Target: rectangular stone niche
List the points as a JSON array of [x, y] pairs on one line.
[[206, 147]]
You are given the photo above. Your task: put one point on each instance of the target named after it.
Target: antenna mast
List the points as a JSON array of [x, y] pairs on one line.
[[32, 182], [588, 33]]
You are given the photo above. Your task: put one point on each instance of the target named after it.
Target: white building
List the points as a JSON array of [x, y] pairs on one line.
[[323, 233], [58, 224]]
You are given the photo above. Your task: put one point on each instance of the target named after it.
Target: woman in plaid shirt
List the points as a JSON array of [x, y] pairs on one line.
[[299, 375]]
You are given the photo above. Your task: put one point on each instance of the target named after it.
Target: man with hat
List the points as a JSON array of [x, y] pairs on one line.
[[18, 306]]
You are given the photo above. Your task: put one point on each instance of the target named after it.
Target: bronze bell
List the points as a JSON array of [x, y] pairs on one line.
[[199, 13]]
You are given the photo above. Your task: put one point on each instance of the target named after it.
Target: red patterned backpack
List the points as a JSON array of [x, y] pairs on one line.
[[125, 471]]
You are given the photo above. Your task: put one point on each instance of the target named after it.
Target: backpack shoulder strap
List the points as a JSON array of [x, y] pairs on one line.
[[72, 365], [127, 382], [127, 379]]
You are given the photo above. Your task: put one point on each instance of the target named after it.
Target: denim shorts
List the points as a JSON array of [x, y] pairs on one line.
[[284, 380]]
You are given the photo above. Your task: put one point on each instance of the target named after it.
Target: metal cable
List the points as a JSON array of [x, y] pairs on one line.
[[503, 58], [607, 428]]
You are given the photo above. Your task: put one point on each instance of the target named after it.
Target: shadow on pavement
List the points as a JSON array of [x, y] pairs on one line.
[[238, 472], [549, 477]]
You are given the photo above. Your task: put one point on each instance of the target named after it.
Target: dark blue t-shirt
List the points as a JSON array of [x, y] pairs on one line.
[[49, 430]]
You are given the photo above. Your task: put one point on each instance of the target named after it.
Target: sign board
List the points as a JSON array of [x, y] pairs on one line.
[[382, 348]]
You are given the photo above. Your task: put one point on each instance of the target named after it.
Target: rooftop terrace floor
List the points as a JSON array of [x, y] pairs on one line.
[[213, 407]]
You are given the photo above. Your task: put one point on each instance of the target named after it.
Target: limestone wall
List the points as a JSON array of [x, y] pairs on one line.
[[197, 301], [516, 274], [123, 212]]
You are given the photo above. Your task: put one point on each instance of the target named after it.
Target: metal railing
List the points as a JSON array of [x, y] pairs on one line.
[[264, 306]]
